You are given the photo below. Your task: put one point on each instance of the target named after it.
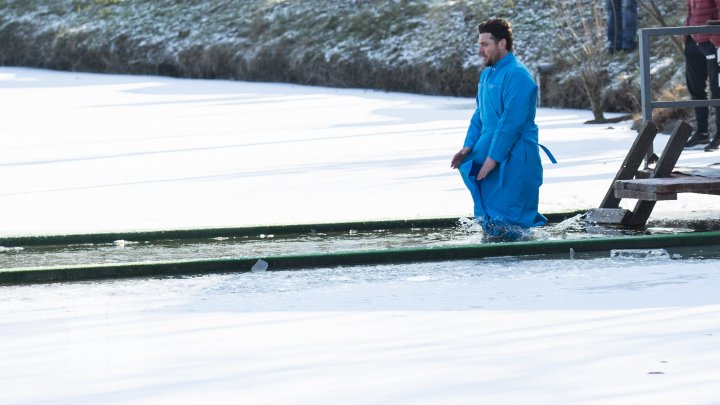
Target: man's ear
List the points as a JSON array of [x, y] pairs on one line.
[[502, 44]]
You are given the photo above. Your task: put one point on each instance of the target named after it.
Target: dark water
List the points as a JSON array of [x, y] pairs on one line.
[[466, 232]]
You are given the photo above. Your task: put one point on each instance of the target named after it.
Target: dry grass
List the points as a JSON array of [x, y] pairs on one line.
[[419, 46]]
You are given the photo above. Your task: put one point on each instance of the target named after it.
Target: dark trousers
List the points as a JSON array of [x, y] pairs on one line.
[[701, 67], [622, 24]]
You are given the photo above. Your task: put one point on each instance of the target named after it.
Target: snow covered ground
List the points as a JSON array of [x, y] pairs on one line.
[[84, 153], [600, 331]]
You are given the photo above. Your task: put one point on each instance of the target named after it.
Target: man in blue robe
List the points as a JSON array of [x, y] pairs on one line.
[[500, 159]]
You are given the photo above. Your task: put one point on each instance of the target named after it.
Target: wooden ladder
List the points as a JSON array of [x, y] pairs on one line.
[[647, 187]]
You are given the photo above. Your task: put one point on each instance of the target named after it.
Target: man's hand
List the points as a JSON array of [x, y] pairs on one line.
[[486, 168], [458, 158]]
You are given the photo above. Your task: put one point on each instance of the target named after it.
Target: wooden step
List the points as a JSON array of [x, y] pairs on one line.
[[660, 189]]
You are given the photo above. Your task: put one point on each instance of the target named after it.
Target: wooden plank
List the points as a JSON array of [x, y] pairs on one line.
[[645, 195], [631, 164], [666, 188], [674, 184], [673, 149], [711, 171], [663, 168], [640, 214]]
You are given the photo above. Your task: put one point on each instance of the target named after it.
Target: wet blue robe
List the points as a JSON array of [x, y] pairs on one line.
[[503, 127]]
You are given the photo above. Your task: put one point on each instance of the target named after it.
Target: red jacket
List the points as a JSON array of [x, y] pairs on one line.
[[698, 13]]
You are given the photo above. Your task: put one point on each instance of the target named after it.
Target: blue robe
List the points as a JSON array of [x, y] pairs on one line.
[[503, 128]]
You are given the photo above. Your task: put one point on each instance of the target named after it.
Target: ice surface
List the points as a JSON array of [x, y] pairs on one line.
[[489, 331], [104, 153]]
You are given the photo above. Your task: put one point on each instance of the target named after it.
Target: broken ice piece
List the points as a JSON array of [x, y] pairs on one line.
[[122, 243], [260, 265], [639, 253]]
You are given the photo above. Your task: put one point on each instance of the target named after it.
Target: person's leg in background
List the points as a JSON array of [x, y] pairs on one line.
[[629, 25], [614, 25], [696, 76], [713, 72]]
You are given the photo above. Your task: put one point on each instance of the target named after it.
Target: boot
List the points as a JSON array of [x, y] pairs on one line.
[[698, 138], [714, 144]]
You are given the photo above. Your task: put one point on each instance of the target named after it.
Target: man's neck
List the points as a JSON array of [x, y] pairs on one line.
[[503, 54]]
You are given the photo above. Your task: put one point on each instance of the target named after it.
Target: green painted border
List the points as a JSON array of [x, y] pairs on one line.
[[289, 262]]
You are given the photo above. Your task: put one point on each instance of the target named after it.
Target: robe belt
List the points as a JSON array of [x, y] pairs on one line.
[[544, 148], [548, 153]]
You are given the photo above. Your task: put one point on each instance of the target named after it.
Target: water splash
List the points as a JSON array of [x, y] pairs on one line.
[[573, 225]]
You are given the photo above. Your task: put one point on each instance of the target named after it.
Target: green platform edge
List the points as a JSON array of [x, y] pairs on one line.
[[390, 256]]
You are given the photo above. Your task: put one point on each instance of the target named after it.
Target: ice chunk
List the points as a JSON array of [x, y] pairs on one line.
[[640, 253], [260, 265], [605, 215]]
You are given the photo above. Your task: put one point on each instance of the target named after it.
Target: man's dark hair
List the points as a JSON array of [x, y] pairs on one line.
[[498, 29]]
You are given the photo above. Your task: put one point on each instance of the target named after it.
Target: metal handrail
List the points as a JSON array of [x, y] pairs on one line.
[[645, 88]]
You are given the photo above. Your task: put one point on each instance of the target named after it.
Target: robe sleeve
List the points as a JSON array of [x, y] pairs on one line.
[[519, 96], [473, 132]]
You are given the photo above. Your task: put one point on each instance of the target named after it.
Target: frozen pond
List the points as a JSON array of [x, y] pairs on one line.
[[634, 329]]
